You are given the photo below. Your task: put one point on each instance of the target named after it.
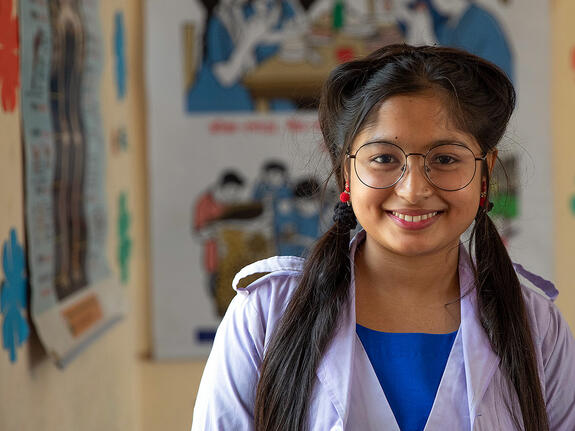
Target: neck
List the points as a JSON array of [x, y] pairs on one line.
[[425, 279]]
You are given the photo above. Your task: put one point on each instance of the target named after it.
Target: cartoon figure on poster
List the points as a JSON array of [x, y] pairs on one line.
[[273, 190], [230, 228], [458, 23], [299, 219], [238, 35], [235, 228]]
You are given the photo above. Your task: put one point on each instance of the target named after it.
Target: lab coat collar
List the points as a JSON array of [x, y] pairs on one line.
[[334, 371]]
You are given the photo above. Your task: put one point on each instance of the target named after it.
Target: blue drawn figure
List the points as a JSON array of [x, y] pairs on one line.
[[461, 24], [274, 191], [299, 219], [13, 296], [239, 35], [273, 182], [120, 54]]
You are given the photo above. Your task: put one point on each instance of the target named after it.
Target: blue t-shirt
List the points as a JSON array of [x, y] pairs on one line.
[[409, 367]]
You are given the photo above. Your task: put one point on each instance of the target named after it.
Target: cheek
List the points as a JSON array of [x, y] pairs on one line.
[[465, 201]]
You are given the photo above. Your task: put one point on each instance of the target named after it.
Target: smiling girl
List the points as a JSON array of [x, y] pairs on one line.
[[402, 328]]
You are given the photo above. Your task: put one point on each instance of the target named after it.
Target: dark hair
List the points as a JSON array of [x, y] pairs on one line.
[[274, 165], [231, 177], [480, 100], [306, 188]]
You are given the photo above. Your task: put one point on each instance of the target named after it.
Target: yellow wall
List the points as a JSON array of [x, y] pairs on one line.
[[563, 129], [112, 386], [101, 388]]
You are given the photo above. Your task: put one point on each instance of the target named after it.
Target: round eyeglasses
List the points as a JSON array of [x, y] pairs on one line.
[[448, 167]]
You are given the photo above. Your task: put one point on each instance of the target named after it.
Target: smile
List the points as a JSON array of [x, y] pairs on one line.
[[414, 218]]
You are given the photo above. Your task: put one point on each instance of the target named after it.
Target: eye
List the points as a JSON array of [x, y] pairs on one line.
[[444, 159], [384, 159]]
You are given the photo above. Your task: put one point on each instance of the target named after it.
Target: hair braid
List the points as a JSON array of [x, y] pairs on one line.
[[504, 317]]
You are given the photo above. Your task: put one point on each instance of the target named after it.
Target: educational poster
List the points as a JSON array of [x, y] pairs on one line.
[[74, 296], [236, 159]]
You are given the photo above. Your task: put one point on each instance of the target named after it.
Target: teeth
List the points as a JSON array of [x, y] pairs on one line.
[[414, 219]]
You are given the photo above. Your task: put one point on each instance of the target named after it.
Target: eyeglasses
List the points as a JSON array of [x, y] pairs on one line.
[[448, 167]]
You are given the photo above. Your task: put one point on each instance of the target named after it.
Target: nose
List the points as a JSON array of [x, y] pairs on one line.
[[413, 185]]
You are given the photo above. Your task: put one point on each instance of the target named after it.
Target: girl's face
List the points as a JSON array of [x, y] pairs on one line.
[[416, 123]]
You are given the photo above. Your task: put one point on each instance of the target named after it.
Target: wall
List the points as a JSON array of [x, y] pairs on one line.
[[101, 389], [563, 127]]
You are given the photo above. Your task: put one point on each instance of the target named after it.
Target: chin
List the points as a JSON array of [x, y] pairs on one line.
[[416, 247]]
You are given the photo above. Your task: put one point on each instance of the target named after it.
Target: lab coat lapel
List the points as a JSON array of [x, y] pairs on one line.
[[334, 371], [450, 404], [480, 360]]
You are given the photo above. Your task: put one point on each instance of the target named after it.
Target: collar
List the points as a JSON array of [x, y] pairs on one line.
[[480, 362]]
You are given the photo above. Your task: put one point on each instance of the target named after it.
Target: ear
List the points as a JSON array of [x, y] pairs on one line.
[[491, 158], [346, 168]]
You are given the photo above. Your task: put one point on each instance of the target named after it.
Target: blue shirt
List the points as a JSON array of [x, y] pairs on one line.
[[409, 367]]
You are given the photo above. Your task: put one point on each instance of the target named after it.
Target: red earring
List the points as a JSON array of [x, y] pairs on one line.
[[344, 196]]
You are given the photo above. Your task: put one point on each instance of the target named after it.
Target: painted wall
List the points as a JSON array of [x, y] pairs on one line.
[[101, 389]]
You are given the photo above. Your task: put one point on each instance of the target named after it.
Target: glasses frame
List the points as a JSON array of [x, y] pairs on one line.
[[425, 168]]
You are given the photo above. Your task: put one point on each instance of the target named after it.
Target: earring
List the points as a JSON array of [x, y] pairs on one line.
[[345, 196], [343, 212]]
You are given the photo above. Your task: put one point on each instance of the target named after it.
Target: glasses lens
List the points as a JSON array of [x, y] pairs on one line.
[[450, 167], [379, 165]]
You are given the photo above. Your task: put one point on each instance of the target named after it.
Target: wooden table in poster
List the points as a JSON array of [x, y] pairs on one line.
[[277, 78]]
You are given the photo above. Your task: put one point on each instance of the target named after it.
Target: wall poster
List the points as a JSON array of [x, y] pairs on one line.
[[74, 296], [234, 143]]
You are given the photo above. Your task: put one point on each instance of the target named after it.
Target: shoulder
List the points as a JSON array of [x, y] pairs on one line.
[[264, 289], [552, 333], [538, 295], [262, 272]]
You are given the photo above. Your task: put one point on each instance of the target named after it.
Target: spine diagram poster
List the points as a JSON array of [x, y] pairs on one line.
[[235, 156], [74, 296]]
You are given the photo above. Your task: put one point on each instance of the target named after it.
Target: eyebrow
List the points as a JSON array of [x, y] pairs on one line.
[[426, 147]]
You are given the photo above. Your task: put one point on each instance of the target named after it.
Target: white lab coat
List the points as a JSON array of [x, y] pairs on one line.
[[347, 394]]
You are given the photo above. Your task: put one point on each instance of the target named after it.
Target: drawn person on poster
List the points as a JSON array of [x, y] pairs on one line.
[[68, 50], [239, 34], [458, 23], [300, 227], [208, 209], [273, 190]]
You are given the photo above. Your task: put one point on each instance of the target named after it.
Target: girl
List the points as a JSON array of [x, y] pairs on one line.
[[404, 329]]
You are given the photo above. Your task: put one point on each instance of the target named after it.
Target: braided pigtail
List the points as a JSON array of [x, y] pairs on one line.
[[504, 317], [294, 353]]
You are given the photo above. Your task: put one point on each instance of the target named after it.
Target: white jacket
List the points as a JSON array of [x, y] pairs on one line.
[[347, 394]]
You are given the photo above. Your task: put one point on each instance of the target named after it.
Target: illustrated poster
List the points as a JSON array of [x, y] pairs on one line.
[[235, 156]]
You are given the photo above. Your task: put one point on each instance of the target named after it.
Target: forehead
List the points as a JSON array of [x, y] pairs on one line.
[[415, 122]]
